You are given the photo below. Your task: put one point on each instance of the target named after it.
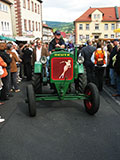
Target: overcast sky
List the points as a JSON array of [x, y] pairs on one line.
[[69, 10]]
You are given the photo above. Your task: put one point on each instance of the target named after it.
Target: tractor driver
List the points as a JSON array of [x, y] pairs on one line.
[[57, 42]]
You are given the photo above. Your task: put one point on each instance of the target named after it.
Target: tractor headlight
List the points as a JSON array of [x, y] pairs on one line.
[[43, 59], [80, 59]]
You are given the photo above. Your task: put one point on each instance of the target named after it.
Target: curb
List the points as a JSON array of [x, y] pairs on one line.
[[109, 91]]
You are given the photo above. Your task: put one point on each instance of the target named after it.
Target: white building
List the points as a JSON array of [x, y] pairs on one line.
[[47, 33], [5, 18], [27, 18], [97, 23]]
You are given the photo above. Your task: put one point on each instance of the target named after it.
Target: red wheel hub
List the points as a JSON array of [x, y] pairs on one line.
[[88, 103]]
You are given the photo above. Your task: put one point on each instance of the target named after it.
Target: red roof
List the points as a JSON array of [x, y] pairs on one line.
[[109, 14], [46, 26]]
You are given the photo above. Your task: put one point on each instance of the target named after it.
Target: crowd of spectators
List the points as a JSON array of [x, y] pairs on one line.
[[109, 71], [17, 61]]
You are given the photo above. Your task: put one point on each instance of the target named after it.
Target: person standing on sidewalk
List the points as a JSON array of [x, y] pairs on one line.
[[13, 68], [7, 59], [87, 52], [117, 70], [99, 58], [112, 54]]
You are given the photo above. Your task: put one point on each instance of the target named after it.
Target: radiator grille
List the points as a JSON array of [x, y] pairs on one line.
[[62, 68]]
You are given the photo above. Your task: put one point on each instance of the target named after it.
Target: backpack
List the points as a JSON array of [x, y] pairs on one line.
[[99, 58]]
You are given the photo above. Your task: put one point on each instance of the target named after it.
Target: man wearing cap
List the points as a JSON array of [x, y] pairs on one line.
[[57, 42], [112, 54]]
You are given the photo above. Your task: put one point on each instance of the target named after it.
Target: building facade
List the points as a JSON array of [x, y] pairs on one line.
[[47, 33], [5, 18], [27, 18], [97, 23]]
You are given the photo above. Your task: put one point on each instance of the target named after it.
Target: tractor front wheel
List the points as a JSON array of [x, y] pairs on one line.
[[37, 83], [31, 100], [92, 103]]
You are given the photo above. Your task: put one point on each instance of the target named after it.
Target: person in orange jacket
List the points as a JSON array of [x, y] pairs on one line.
[[3, 76]]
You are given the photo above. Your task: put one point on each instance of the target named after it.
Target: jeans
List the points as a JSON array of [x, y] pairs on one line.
[[14, 80], [118, 84], [112, 77]]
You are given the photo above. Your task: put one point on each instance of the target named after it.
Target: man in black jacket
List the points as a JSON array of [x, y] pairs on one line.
[[57, 42], [27, 56], [87, 52]]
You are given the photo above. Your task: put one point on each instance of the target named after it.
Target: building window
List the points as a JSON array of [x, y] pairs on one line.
[[112, 26], [38, 9], [87, 37], [96, 26], [32, 3], [80, 37], [24, 3], [105, 36], [3, 7], [35, 8], [96, 16], [33, 28], [112, 36], [25, 24], [29, 24], [0, 6], [87, 26], [8, 27], [5, 26], [36, 26], [28, 4], [2, 25], [106, 26], [39, 26], [80, 26]]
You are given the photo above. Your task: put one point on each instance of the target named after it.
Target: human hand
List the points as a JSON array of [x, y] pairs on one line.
[[57, 46]]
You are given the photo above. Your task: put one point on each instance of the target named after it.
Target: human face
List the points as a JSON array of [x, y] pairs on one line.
[[39, 43], [57, 36]]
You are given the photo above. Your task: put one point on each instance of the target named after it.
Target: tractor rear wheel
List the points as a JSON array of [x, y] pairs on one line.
[[31, 100], [37, 83], [81, 82], [93, 102]]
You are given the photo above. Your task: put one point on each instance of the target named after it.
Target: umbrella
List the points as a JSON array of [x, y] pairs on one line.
[[117, 30], [7, 38]]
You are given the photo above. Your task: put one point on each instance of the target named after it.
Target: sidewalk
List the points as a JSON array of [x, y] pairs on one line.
[[109, 91]]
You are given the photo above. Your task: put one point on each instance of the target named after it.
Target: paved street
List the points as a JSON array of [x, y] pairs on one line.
[[60, 131]]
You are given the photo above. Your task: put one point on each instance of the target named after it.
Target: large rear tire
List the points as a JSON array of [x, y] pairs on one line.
[[37, 83], [81, 82], [93, 102], [31, 100]]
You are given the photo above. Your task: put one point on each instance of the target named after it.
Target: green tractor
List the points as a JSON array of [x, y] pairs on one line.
[[66, 75]]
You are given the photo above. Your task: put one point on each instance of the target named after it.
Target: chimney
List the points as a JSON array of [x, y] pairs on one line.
[[116, 12]]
